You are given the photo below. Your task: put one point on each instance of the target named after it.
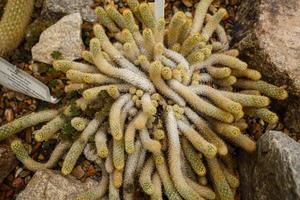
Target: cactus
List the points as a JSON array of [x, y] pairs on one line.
[[164, 91], [16, 16]]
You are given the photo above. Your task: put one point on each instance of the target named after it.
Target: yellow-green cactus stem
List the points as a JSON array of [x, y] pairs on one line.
[[114, 14], [213, 23], [222, 59], [219, 180], [199, 104], [264, 87], [105, 20], [203, 191], [168, 185], [145, 177], [147, 16], [185, 30], [226, 82], [113, 192], [101, 144], [157, 192], [232, 180], [65, 65], [49, 129], [220, 100], [130, 169], [174, 159], [118, 154], [244, 142], [79, 123], [196, 57], [226, 130], [262, 113], [23, 156], [219, 72], [117, 178], [248, 100], [26, 121], [16, 16], [193, 41], [200, 13], [248, 73], [193, 157], [176, 23], [206, 132], [208, 149], [78, 146]]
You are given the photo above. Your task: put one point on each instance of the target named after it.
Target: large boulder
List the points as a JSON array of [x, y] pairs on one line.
[[64, 37], [273, 172], [55, 9], [267, 32], [51, 185]]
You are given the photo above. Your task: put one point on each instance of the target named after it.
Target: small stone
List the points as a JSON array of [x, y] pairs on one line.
[[55, 9], [9, 115], [187, 3], [78, 172], [18, 183], [91, 171], [41, 157], [64, 36], [51, 185]]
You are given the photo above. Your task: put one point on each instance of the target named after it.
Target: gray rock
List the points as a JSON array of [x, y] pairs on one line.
[[268, 34], [55, 9], [64, 37], [273, 172], [8, 161], [51, 185]]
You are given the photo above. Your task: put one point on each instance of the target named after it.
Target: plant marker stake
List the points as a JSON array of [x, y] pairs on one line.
[[16, 79]]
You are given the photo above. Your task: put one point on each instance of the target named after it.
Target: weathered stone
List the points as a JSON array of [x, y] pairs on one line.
[[64, 37], [273, 172], [55, 9], [268, 34], [8, 161], [51, 185]]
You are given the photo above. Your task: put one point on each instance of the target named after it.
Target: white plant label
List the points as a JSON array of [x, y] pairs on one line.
[[18, 80], [159, 7]]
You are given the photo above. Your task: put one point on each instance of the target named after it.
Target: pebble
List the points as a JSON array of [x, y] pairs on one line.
[[41, 157], [18, 183], [187, 3], [78, 172], [91, 171], [233, 2], [9, 115]]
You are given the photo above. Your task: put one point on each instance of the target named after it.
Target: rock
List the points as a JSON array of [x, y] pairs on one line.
[[78, 172], [273, 172], [8, 161], [267, 33], [63, 37], [55, 9], [51, 185]]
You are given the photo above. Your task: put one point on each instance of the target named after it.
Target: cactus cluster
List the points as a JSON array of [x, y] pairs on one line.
[[169, 104], [15, 18]]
